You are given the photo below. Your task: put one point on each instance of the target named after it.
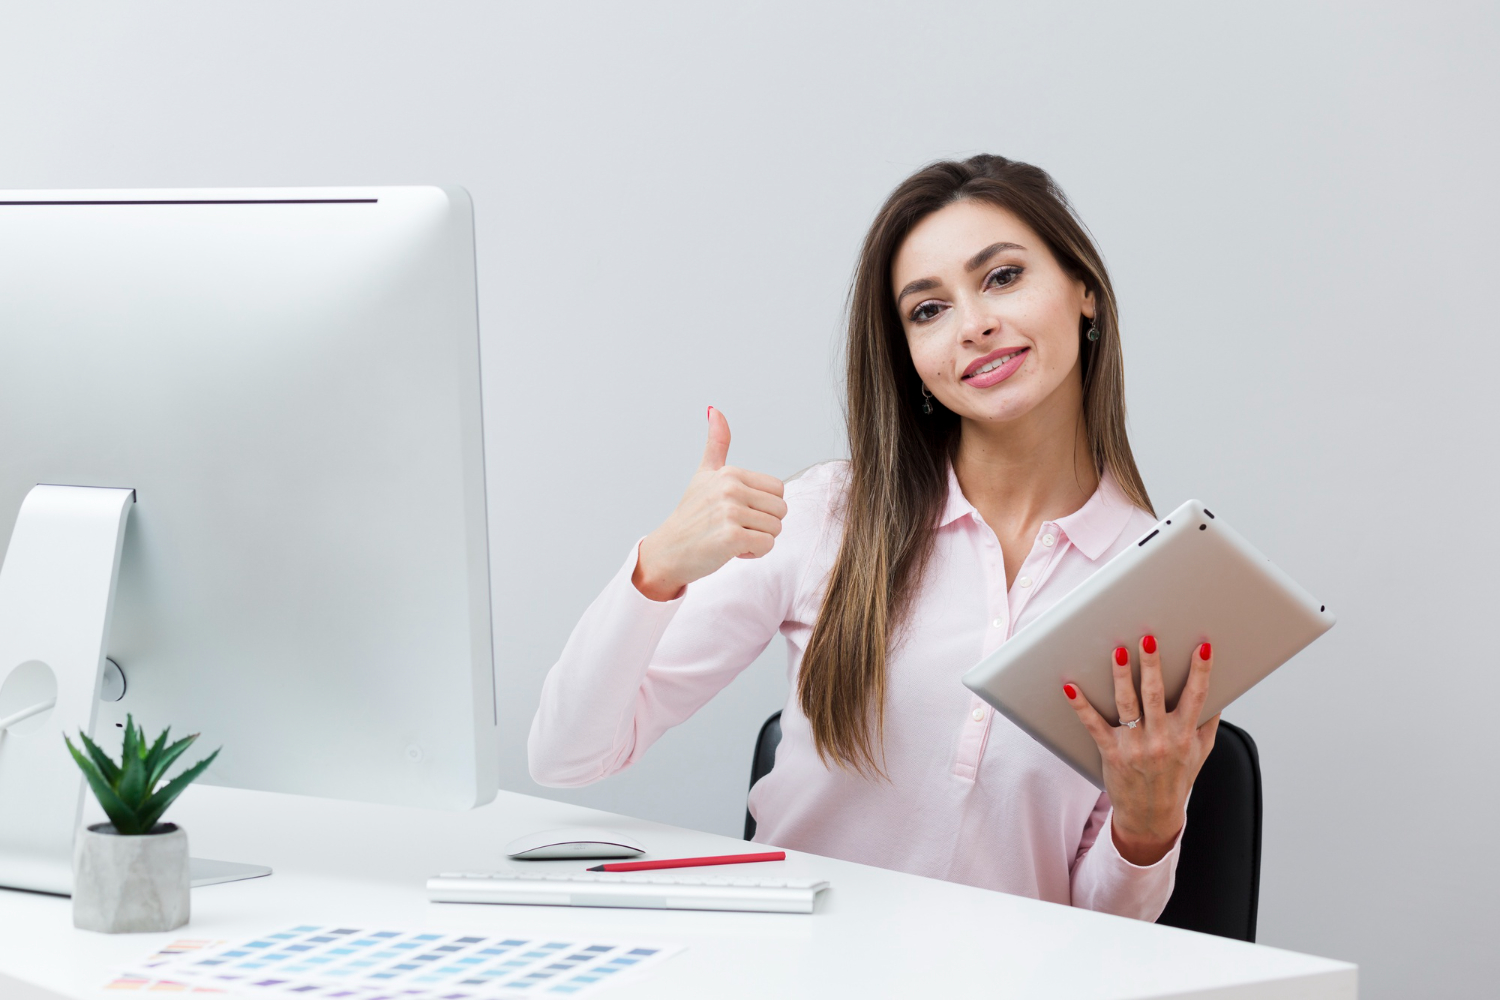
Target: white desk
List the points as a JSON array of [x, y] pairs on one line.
[[876, 933]]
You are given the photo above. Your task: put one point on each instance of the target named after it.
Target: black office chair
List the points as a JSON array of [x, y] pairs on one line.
[[1218, 869], [764, 760]]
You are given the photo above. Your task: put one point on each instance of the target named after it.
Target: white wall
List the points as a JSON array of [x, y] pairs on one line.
[[1298, 204]]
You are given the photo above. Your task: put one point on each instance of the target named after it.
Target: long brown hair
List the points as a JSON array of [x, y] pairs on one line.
[[899, 456]]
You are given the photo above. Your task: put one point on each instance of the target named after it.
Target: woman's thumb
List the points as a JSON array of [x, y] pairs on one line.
[[717, 450]]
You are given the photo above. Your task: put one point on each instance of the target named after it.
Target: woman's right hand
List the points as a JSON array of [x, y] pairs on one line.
[[726, 512]]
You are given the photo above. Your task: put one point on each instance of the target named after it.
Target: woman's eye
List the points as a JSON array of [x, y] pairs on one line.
[[1002, 276], [926, 311]]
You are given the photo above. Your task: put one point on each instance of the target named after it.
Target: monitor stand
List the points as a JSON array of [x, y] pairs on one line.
[[57, 588], [202, 871]]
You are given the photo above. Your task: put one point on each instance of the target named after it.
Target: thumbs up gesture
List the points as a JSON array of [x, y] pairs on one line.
[[726, 512]]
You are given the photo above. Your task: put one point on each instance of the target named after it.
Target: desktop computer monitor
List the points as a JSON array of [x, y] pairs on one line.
[[288, 381]]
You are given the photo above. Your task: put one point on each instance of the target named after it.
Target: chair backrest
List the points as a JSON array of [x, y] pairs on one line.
[[1218, 867], [763, 761]]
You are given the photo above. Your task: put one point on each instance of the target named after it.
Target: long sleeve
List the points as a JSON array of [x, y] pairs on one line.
[[634, 667], [1102, 880]]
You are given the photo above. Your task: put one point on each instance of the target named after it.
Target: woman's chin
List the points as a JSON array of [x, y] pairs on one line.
[[999, 412]]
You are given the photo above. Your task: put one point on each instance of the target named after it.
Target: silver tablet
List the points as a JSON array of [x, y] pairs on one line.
[[1190, 579]]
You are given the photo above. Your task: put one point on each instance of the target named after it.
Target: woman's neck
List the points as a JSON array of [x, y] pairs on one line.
[[1024, 472]]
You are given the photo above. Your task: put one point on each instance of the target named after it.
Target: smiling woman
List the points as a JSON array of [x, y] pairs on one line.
[[1000, 287], [989, 474]]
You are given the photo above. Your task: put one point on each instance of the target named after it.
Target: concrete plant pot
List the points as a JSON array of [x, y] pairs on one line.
[[129, 884]]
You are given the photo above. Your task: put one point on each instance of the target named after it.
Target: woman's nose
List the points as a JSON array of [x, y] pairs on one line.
[[975, 325]]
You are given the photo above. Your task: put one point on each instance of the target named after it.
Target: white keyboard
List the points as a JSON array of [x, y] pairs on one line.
[[655, 890]]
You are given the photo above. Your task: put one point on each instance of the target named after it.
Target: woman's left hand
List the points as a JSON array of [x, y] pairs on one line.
[[1149, 768]]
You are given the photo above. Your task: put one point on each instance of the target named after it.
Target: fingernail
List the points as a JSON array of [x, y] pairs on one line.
[[710, 413], [1205, 651], [1070, 691], [1122, 655], [1149, 643]]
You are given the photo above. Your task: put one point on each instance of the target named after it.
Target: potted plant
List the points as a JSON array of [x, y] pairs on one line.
[[131, 874]]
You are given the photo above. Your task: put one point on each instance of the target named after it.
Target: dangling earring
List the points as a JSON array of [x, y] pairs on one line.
[[926, 401], [1093, 332]]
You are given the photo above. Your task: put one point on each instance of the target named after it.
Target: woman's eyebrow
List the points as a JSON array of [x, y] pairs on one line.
[[920, 285], [982, 257]]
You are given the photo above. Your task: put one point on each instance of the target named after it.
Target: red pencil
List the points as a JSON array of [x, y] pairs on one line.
[[723, 859]]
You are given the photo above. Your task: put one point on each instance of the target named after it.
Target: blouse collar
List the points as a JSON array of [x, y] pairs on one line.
[[1092, 528]]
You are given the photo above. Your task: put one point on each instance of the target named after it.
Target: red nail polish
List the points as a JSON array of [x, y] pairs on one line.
[[710, 413], [1205, 651], [1122, 655], [1149, 643], [1070, 691]]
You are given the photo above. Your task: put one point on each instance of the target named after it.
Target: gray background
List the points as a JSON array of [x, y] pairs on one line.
[[1297, 202]]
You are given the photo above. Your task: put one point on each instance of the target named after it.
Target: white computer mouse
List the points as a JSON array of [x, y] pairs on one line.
[[574, 842]]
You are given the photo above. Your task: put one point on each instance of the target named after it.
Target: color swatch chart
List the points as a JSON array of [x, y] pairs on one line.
[[144, 979], [325, 962]]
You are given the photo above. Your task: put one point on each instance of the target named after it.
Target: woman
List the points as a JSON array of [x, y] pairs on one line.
[[989, 475]]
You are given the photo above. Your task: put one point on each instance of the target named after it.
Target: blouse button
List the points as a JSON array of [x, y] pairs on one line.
[[1047, 540], [1025, 582], [978, 715], [999, 623]]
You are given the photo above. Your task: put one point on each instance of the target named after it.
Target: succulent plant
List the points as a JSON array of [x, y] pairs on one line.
[[127, 790]]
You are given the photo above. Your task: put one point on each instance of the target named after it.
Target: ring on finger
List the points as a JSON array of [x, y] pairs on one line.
[[1132, 723]]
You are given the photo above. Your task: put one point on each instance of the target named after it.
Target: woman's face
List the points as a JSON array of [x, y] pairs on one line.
[[990, 316]]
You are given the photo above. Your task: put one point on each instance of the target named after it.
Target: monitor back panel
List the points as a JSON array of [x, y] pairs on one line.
[[289, 379]]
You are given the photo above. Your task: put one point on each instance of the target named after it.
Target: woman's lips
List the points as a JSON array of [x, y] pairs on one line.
[[995, 375]]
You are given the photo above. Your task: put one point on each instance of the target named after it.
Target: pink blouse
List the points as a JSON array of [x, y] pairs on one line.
[[968, 796]]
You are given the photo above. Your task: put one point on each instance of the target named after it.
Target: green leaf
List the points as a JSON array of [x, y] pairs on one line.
[[168, 758], [131, 787], [107, 768], [132, 739], [153, 808], [155, 752], [85, 764], [124, 818]]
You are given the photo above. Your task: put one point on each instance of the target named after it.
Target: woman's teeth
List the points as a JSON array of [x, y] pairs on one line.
[[996, 363]]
